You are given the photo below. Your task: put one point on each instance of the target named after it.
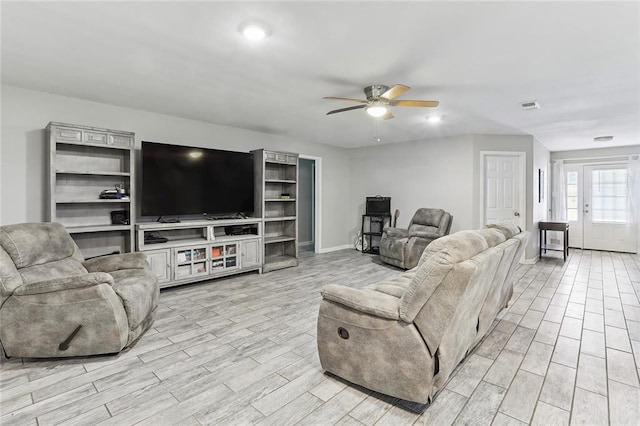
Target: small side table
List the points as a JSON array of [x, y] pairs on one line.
[[554, 226]]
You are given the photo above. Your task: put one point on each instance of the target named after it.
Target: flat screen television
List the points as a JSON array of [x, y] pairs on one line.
[[182, 180]]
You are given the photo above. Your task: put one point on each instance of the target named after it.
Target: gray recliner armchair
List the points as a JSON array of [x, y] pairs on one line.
[[53, 303], [403, 247]]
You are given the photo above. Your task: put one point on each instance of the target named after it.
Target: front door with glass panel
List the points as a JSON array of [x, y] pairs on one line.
[[598, 208]]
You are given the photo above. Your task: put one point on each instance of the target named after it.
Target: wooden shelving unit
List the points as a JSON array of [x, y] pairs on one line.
[[84, 161], [276, 175]]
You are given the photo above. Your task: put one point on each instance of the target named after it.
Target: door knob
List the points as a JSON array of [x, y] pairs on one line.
[[516, 214]]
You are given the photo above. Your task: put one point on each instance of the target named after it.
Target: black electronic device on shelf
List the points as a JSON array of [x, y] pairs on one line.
[[154, 238], [119, 217], [378, 205], [109, 194], [240, 230]]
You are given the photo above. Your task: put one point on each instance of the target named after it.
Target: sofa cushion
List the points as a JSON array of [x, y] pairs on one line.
[[396, 286], [436, 262], [426, 216], [507, 229], [36, 243], [55, 269], [493, 236]]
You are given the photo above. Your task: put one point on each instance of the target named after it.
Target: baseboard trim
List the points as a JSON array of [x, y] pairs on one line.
[[530, 261], [330, 249]]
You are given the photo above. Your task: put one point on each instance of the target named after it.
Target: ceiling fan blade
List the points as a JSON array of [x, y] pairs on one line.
[[346, 109], [395, 91], [408, 103], [387, 115], [346, 99]]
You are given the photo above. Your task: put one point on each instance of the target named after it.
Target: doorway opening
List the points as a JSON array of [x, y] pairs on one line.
[[309, 180]]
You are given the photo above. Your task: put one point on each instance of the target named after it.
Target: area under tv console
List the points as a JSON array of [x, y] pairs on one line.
[[186, 252]]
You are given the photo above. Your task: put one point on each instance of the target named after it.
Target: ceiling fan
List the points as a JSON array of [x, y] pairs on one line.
[[379, 99]]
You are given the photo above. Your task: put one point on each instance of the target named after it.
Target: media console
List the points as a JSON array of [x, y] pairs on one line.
[[201, 250]]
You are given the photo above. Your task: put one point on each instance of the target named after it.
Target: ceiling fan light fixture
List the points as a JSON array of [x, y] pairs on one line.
[[376, 111], [254, 31]]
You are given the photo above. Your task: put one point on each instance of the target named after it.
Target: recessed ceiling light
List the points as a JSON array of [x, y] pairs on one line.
[[254, 31], [530, 105], [434, 119], [603, 139]]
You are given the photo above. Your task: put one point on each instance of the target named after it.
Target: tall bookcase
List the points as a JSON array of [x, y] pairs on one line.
[[83, 162], [276, 203]]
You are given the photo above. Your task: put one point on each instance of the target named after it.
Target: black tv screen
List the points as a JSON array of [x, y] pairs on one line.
[[182, 180]]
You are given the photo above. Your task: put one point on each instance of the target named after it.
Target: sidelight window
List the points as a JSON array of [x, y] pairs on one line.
[[572, 196]]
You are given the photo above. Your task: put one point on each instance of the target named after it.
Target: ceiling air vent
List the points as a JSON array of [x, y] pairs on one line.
[[530, 105], [603, 139]]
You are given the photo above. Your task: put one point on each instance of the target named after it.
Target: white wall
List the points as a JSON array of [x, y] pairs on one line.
[[23, 149], [435, 173], [441, 173], [540, 209]]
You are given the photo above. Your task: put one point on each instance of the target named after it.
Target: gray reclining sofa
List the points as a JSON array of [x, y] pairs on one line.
[[403, 337]]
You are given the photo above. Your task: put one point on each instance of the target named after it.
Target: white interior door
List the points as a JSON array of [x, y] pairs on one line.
[[503, 189], [607, 225]]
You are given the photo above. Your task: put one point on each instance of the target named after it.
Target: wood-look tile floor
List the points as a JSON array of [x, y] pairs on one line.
[[242, 350]]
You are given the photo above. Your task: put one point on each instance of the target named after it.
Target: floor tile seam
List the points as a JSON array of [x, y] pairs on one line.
[[514, 376], [575, 382], [291, 402], [553, 404], [354, 419], [511, 384], [487, 372], [506, 415], [30, 397], [388, 406], [535, 407], [606, 366]]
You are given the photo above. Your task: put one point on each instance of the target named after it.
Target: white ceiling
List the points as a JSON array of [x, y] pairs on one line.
[[580, 60]]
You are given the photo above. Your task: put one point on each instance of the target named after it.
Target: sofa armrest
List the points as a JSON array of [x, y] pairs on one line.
[[66, 283], [367, 301], [395, 232], [116, 262]]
